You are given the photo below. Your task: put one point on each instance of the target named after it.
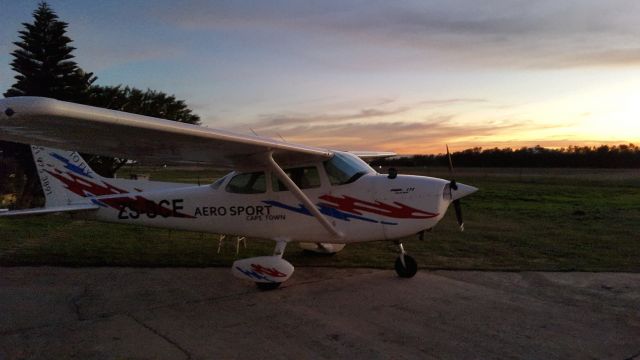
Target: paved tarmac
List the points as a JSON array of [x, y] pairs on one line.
[[121, 313]]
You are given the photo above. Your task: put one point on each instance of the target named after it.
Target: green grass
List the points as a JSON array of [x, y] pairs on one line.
[[521, 219]]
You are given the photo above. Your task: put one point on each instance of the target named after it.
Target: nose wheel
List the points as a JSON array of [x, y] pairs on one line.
[[406, 266]]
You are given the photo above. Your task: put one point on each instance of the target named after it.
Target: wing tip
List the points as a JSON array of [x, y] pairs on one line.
[[21, 105]]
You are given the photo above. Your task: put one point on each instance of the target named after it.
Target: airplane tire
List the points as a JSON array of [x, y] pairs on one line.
[[267, 286], [411, 267]]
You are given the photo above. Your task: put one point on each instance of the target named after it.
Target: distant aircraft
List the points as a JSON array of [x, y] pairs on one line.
[[277, 190]]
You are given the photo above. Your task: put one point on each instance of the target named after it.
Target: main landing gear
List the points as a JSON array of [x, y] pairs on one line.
[[406, 266]]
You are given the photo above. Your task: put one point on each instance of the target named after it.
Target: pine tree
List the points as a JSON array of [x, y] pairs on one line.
[[43, 61], [44, 65]]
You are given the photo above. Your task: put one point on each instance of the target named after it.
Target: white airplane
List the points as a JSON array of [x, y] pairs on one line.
[[277, 190]]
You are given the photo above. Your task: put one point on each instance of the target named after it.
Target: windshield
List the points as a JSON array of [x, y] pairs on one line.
[[216, 185], [344, 168]]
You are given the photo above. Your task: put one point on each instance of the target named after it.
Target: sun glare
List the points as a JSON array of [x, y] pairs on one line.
[[615, 116]]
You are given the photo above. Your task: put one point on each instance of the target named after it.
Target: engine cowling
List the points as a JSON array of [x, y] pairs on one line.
[[263, 269]]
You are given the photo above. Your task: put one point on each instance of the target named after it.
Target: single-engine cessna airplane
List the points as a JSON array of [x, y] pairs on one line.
[[277, 190]]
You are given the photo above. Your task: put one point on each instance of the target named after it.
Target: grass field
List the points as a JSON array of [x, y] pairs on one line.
[[521, 219]]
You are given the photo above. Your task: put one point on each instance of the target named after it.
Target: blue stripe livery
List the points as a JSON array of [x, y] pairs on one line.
[[71, 167], [325, 210]]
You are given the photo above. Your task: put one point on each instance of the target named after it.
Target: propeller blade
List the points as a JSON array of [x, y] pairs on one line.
[[458, 208], [454, 186]]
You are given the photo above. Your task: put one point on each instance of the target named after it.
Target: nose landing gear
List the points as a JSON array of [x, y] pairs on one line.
[[406, 266], [277, 252]]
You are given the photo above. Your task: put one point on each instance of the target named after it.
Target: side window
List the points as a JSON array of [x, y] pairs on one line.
[[248, 183], [305, 177]]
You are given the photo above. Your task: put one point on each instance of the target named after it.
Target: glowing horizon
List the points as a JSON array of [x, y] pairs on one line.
[[407, 76]]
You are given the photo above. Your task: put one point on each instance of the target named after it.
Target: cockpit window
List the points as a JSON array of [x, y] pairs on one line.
[[345, 168], [248, 183], [305, 177]]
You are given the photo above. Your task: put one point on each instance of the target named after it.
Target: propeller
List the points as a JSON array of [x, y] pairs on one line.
[[454, 186]]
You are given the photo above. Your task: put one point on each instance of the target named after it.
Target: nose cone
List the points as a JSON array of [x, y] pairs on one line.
[[462, 191]]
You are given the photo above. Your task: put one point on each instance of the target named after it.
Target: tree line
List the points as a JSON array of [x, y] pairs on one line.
[[604, 156], [44, 63]]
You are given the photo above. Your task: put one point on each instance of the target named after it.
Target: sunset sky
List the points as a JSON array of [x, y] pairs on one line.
[[404, 76]]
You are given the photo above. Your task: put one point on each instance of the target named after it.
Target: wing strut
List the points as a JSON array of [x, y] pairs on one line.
[[282, 176]]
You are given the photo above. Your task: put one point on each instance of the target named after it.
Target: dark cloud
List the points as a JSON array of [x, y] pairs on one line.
[[531, 34], [610, 57], [269, 121], [397, 136], [428, 136], [381, 130], [445, 102], [274, 121]]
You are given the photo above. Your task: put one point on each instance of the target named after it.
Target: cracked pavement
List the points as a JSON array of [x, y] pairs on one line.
[[178, 313]]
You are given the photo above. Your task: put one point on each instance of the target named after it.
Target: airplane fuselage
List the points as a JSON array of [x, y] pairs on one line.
[[372, 208], [280, 191]]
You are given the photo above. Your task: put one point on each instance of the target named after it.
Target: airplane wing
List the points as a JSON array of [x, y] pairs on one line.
[[65, 125], [372, 155]]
